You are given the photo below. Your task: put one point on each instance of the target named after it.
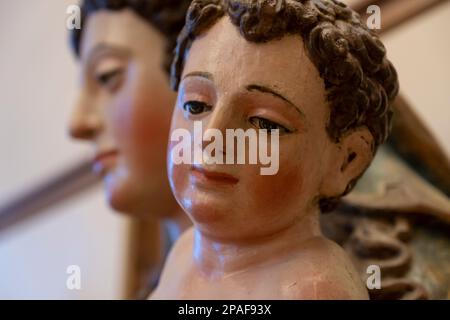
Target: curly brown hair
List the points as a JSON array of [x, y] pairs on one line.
[[167, 16], [361, 82]]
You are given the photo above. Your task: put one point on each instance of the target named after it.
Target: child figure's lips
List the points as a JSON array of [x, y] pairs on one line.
[[215, 176]]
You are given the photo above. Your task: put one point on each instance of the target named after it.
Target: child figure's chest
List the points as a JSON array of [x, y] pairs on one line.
[[263, 283]]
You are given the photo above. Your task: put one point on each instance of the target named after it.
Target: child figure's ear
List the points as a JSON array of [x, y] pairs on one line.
[[352, 156]]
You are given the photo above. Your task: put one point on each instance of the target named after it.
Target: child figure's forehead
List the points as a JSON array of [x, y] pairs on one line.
[[234, 63]]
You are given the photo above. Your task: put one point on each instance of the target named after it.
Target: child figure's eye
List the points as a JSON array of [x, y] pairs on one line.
[[268, 125], [196, 107]]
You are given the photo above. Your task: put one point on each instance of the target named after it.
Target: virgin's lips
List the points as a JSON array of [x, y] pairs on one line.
[[99, 162]]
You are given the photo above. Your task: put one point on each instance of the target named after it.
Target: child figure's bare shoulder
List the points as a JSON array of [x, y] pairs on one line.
[[177, 265], [322, 270]]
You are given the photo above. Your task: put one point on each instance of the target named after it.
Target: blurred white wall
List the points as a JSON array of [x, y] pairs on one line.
[[420, 50], [34, 258], [38, 81]]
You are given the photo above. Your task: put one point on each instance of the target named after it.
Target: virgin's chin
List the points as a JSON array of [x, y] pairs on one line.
[[139, 198], [118, 200], [119, 195]]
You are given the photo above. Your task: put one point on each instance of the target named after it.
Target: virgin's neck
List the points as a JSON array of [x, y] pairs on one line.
[[176, 224]]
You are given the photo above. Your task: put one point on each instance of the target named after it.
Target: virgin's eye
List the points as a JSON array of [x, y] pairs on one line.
[[110, 79], [196, 107], [268, 125]]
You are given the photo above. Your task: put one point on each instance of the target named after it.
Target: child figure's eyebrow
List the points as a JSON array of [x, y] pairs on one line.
[[263, 89], [251, 87], [201, 74]]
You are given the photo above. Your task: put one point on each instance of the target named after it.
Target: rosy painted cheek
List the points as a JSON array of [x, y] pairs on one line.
[[151, 119], [271, 195], [141, 127]]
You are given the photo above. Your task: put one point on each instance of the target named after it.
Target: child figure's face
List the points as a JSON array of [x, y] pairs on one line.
[[230, 83]]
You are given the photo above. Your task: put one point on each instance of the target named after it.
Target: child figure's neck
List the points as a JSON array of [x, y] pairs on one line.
[[216, 259]]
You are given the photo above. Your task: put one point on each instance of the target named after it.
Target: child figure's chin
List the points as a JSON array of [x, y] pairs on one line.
[[206, 208]]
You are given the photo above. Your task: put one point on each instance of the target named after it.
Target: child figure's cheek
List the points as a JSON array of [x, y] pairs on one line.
[[273, 193]]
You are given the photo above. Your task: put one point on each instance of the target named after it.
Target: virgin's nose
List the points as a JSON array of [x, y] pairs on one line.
[[85, 122]]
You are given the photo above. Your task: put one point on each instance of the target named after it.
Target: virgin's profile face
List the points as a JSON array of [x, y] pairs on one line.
[[124, 110], [230, 83]]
